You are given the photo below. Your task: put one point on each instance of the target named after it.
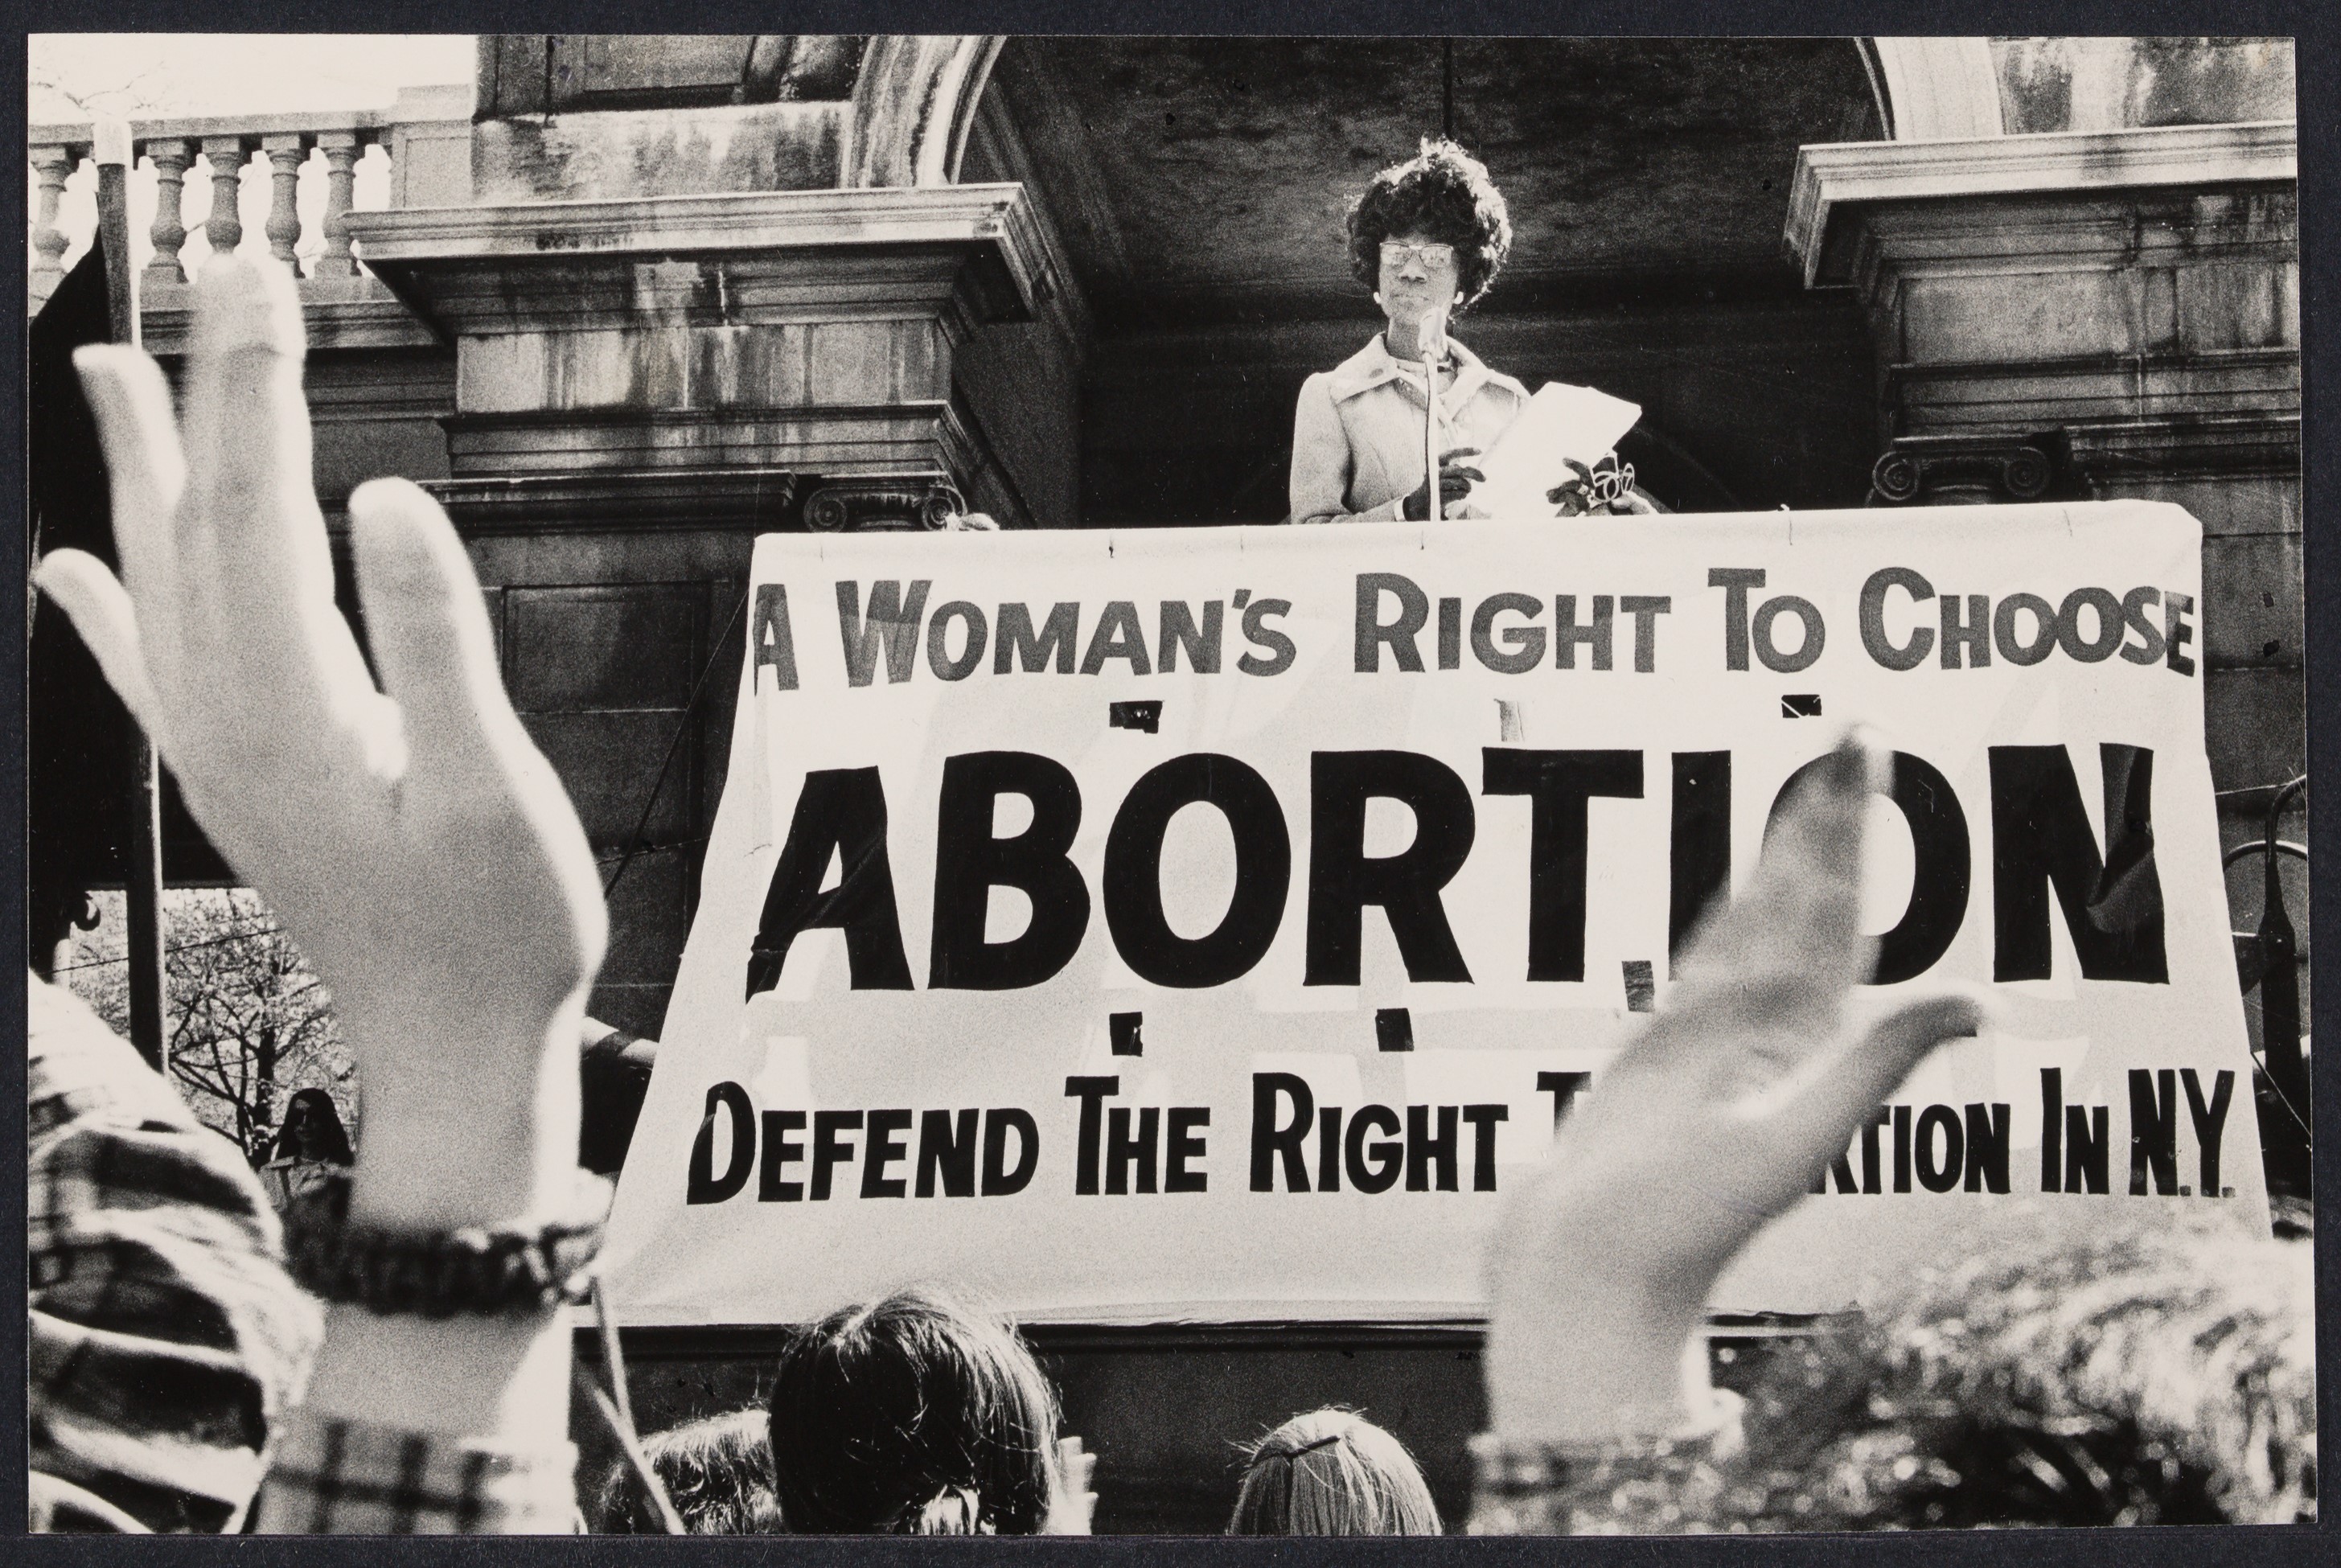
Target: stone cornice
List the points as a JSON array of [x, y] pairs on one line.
[[339, 314], [2230, 444], [988, 229], [1833, 176], [916, 438], [752, 498], [1061, 291], [998, 215]]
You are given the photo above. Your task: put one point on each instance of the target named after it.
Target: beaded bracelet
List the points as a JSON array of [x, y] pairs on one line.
[[1632, 1485], [478, 1270], [1636, 1483]]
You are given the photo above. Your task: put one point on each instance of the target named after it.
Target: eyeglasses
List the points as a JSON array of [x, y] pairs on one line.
[[1398, 252]]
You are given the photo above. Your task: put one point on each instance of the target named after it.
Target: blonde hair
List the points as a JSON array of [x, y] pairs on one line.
[[1332, 1473]]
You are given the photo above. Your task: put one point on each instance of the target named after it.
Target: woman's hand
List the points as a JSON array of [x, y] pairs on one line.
[[413, 840], [1605, 490], [1455, 482], [1711, 1123]]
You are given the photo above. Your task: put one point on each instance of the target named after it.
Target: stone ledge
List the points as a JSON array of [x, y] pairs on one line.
[[356, 313], [2284, 357], [1832, 175], [665, 225], [757, 499], [76, 136], [401, 245], [972, 248], [910, 440], [441, 100], [2240, 384], [2240, 444]]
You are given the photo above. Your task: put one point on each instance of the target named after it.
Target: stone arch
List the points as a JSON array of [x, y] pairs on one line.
[[1934, 89], [915, 99], [914, 104]]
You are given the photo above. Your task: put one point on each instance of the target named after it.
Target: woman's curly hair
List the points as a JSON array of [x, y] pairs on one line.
[[1442, 192], [2152, 1373]]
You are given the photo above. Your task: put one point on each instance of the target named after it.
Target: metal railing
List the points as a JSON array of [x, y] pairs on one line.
[[2269, 959]]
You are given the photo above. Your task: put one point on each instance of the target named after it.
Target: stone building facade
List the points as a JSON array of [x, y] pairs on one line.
[[667, 294], [639, 300]]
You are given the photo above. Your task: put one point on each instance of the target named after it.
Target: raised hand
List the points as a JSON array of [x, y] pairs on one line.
[[1711, 1123], [1071, 1502], [413, 838]]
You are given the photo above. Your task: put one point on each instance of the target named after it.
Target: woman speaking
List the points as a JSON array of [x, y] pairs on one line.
[[1427, 236]]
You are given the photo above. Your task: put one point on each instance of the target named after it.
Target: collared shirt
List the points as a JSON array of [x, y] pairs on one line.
[[165, 1338], [1357, 433]]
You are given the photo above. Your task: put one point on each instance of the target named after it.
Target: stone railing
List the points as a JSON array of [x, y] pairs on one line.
[[425, 136]]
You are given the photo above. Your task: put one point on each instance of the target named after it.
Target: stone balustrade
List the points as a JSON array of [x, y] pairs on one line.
[[427, 128]]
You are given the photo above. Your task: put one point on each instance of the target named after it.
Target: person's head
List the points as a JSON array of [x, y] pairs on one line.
[[1428, 235], [885, 1413], [2162, 1374], [717, 1472], [312, 1130], [1332, 1473]]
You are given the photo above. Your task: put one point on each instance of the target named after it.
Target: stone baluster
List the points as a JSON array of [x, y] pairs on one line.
[[54, 166], [225, 228], [342, 149], [286, 156], [172, 160]]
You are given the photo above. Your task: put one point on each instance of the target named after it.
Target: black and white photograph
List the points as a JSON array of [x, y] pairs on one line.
[[1148, 785]]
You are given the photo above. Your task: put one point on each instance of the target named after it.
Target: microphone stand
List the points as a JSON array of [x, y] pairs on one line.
[[1430, 427]]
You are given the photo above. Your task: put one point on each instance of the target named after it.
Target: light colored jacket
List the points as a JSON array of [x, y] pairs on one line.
[[286, 1179], [1357, 434]]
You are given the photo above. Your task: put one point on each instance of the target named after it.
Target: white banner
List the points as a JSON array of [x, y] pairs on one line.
[[1214, 923]]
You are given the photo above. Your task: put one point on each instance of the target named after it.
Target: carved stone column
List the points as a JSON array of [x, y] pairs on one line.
[[54, 166], [881, 506], [224, 229], [286, 156], [172, 160], [342, 149], [1961, 471], [2123, 305]]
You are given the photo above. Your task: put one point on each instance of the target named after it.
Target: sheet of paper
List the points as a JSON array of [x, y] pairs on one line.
[[1560, 422]]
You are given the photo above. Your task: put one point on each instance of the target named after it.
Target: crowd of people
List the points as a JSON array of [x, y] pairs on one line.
[[917, 1415], [394, 1356]]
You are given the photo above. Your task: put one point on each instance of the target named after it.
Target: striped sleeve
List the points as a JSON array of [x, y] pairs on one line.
[[165, 1338]]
